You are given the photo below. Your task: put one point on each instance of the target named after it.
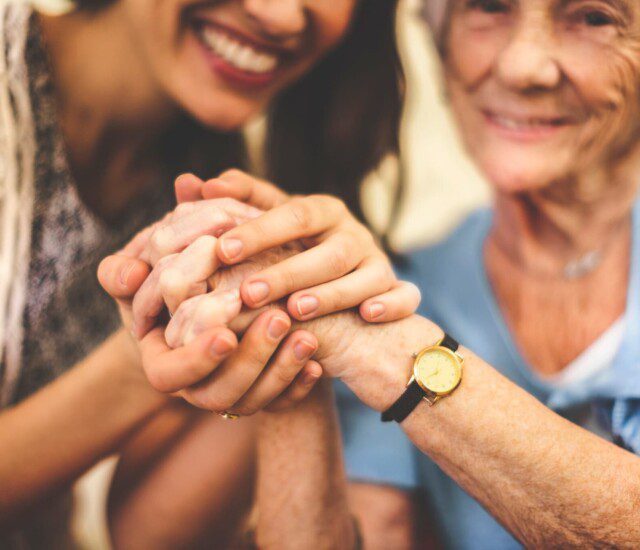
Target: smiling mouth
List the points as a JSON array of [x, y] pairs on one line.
[[525, 127], [236, 57]]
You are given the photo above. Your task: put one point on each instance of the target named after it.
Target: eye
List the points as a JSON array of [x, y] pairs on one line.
[[596, 18], [489, 6]]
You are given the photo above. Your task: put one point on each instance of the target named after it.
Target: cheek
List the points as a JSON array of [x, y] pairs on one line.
[[470, 54], [607, 80], [331, 21]]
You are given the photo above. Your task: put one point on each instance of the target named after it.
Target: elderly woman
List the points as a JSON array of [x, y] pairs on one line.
[[535, 437]]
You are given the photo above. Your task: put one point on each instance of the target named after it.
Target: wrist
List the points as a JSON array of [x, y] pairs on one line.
[[129, 367], [377, 364]]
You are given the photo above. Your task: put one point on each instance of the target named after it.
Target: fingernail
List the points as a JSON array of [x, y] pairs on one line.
[[221, 347], [231, 247], [258, 291], [307, 305], [124, 274], [303, 350], [277, 328], [376, 310]]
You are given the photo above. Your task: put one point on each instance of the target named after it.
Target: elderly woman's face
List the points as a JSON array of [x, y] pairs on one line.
[[224, 60], [544, 88]]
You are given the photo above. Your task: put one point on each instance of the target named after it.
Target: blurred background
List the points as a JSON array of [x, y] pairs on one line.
[[441, 187]]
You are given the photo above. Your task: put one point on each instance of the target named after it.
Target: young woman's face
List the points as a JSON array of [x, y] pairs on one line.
[[544, 88], [224, 60]]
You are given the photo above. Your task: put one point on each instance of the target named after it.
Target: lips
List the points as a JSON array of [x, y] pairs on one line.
[[237, 58], [526, 126]]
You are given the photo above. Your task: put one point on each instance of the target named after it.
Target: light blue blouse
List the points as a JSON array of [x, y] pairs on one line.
[[458, 297]]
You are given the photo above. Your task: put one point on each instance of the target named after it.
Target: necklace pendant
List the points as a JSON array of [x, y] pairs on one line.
[[583, 266]]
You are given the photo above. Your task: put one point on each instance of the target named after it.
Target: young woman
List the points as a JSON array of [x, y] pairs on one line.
[[101, 107]]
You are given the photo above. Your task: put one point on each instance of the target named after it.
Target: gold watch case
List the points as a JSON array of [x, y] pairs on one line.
[[438, 371]]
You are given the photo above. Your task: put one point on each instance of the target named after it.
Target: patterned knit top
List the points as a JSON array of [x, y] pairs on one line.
[[67, 314]]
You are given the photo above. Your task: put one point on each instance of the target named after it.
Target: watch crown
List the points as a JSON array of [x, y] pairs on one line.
[[414, 354]]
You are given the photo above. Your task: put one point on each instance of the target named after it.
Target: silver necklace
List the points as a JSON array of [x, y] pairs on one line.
[[583, 265]]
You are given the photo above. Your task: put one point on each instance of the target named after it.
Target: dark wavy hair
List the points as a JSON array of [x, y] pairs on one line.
[[328, 130]]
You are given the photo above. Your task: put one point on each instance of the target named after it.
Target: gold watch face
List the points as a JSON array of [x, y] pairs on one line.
[[438, 370]]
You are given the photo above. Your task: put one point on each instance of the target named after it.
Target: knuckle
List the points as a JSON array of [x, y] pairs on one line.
[[161, 239], [205, 241], [337, 299], [184, 208], [285, 374], [287, 278], [205, 244], [167, 280], [232, 173], [300, 213], [331, 205], [338, 260]]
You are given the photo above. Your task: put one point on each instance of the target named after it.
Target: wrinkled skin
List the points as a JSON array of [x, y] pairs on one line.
[[579, 61], [333, 331], [197, 314]]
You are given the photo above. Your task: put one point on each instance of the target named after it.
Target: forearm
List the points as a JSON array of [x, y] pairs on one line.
[[302, 489], [52, 437], [547, 480], [186, 480]]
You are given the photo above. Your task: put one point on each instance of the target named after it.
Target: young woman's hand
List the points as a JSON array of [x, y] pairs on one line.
[[206, 365], [343, 267]]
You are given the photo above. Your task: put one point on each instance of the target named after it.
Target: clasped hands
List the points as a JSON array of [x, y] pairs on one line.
[[232, 298]]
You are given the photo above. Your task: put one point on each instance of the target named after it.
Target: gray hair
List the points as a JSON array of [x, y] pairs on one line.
[[434, 13]]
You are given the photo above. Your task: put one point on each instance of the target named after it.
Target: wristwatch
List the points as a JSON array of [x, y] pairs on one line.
[[437, 372]]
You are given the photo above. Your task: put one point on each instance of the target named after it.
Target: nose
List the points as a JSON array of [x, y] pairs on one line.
[[279, 19], [528, 61]]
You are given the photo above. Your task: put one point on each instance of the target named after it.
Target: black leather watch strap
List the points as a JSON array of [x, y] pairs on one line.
[[410, 398], [449, 342], [405, 404]]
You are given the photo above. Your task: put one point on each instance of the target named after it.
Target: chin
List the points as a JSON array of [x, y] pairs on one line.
[[220, 112], [517, 176]]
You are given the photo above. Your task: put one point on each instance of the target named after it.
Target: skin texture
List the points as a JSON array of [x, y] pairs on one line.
[[575, 64]]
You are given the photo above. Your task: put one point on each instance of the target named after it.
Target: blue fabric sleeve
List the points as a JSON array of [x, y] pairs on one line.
[[374, 451], [624, 416]]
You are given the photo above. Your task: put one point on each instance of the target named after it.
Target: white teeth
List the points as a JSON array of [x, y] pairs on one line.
[[513, 124], [241, 55]]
